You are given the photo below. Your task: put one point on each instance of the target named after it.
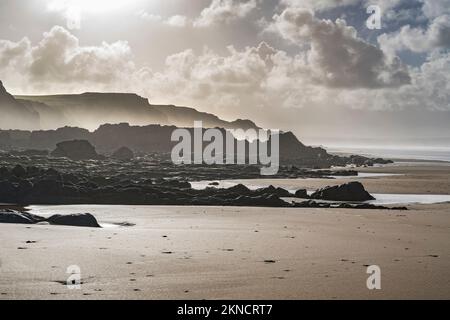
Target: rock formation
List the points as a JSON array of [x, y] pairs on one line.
[[353, 191], [76, 150], [123, 154]]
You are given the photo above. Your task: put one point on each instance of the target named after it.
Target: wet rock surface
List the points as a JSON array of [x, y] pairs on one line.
[[343, 205], [76, 220], [352, 191], [17, 217], [148, 180], [76, 150]]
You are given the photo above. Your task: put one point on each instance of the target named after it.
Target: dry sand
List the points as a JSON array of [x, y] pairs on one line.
[[237, 253]]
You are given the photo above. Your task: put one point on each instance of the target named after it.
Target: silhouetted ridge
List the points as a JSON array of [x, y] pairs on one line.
[[15, 115]]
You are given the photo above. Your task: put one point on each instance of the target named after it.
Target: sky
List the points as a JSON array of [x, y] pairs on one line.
[[310, 66]]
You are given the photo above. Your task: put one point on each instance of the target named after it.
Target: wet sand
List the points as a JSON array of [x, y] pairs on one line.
[[411, 179], [236, 253]]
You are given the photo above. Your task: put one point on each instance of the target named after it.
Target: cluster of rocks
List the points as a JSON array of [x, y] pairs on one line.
[[33, 185], [126, 165], [83, 150], [341, 205], [77, 220], [76, 150]]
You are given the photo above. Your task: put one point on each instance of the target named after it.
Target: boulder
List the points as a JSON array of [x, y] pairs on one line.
[[12, 216], [123, 154], [19, 171], [240, 189], [302, 194], [353, 191], [76, 220], [76, 150]]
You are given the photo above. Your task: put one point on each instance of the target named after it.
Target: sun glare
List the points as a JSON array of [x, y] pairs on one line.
[[90, 5]]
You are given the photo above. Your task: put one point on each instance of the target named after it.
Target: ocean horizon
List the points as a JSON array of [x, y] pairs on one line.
[[417, 153]]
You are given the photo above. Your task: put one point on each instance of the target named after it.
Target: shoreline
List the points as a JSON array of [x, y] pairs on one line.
[[191, 252]]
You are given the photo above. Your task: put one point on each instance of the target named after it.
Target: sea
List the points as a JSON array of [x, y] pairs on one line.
[[402, 154]]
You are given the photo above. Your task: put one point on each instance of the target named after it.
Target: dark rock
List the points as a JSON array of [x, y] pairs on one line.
[[33, 171], [19, 171], [24, 186], [240, 189], [173, 184], [4, 172], [280, 192], [270, 200], [12, 216], [353, 191], [302, 193], [76, 220], [76, 150], [7, 191], [123, 154]]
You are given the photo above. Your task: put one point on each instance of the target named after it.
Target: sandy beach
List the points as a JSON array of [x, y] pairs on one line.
[[240, 253]]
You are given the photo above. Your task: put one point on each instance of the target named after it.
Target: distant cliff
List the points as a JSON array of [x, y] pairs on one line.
[[90, 110], [15, 115], [146, 139]]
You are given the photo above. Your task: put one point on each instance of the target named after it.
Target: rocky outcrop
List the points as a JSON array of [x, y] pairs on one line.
[[76, 220], [327, 205], [13, 216], [302, 194], [123, 154], [157, 139], [353, 191], [76, 150]]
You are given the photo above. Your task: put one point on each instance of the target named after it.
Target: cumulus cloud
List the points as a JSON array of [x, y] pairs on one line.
[[219, 12], [173, 21], [318, 5], [337, 56], [224, 12], [435, 36], [436, 8], [13, 54], [59, 61]]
